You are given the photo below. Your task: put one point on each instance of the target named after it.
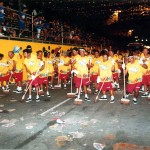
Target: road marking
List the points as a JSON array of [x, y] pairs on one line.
[[51, 109]]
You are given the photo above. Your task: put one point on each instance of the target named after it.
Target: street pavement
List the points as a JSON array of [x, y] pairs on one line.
[[40, 125]]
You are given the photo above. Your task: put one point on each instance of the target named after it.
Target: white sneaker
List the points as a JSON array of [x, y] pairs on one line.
[[65, 87], [37, 99], [134, 101], [48, 95], [29, 99], [87, 99], [103, 98]]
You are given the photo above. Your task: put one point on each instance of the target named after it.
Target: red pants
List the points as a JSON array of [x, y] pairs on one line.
[[43, 80], [18, 76], [5, 78], [35, 82], [133, 87], [81, 82], [146, 79], [115, 76], [63, 76], [105, 86], [93, 78]]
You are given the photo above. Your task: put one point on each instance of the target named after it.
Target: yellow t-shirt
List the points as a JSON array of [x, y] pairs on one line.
[[33, 65], [144, 57], [105, 71], [115, 59], [75, 58], [81, 66], [64, 69], [49, 66], [4, 67], [146, 71], [19, 63], [44, 72], [10, 63], [135, 72], [96, 62]]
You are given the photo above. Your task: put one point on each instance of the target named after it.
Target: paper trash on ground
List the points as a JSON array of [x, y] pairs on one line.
[[99, 146]]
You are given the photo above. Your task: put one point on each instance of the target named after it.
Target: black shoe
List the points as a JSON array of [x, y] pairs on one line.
[[48, 95], [96, 92], [141, 91], [102, 98], [28, 100], [17, 91], [112, 101], [134, 101], [87, 99], [145, 95], [52, 87], [38, 99]]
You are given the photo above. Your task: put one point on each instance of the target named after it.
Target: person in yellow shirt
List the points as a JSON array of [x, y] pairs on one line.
[[94, 65], [134, 70], [33, 66], [146, 79], [4, 72], [145, 57], [17, 67], [74, 57], [43, 77], [116, 73], [82, 63], [50, 67], [63, 69], [105, 77]]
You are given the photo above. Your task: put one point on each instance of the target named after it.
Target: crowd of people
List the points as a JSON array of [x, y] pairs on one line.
[[20, 24], [89, 67]]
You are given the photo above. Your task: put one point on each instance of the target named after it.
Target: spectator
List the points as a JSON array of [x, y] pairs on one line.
[[2, 13], [8, 31], [1, 32], [38, 25], [46, 26], [22, 21]]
